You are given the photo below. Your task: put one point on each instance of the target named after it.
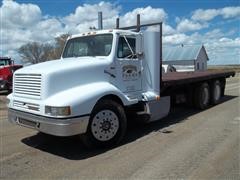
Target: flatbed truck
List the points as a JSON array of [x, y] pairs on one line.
[[102, 78]]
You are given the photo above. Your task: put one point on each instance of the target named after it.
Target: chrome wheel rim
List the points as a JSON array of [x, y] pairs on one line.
[[205, 96], [105, 125]]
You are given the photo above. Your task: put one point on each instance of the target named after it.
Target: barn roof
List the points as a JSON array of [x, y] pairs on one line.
[[179, 53]]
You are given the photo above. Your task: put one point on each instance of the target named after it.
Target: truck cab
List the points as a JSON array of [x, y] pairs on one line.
[[99, 77], [7, 68]]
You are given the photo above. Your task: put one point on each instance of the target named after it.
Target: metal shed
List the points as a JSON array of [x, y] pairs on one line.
[[186, 58]]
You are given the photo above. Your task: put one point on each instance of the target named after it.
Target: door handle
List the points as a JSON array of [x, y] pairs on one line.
[[111, 74]]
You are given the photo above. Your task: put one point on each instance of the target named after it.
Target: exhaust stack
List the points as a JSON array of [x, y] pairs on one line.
[[100, 24]]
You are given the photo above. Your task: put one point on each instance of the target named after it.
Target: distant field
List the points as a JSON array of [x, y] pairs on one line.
[[235, 68]]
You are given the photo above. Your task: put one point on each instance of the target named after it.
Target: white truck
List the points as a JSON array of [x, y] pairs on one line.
[[102, 77]]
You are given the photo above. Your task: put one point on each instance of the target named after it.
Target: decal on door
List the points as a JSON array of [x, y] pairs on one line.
[[130, 73]]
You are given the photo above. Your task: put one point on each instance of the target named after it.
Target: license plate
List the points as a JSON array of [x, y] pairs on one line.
[[26, 122]]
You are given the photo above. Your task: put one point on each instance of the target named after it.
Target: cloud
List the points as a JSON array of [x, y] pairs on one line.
[[87, 14], [214, 34], [228, 42], [14, 15], [30, 25], [24, 22], [220, 49], [209, 14], [46, 30], [148, 15], [188, 25], [224, 51], [167, 29], [205, 15], [80, 20], [174, 39], [230, 12]]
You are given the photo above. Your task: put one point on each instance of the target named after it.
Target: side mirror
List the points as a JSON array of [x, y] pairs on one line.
[[140, 55]]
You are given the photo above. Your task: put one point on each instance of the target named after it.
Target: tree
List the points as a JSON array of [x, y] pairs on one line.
[[59, 45], [36, 52]]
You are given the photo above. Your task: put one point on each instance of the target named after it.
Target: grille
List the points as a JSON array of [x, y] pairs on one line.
[[29, 106], [28, 85]]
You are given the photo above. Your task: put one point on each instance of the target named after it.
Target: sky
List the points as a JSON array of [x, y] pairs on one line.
[[213, 23]]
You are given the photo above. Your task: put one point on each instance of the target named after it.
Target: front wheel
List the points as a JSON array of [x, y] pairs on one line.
[[107, 125]]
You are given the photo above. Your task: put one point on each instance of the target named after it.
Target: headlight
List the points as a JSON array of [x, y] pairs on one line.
[[58, 111]]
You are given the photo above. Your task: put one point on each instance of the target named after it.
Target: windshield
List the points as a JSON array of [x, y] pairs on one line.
[[5, 62], [93, 45]]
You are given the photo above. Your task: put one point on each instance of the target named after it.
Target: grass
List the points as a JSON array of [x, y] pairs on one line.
[[235, 67]]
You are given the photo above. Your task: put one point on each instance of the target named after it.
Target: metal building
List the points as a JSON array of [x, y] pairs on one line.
[[186, 58]]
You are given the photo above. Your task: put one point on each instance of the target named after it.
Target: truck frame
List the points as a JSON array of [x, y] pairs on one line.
[[102, 78]]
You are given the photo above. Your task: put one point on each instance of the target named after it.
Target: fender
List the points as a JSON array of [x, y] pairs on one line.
[[82, 99]]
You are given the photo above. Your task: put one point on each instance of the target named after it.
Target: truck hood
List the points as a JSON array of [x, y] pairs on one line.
[[60, 65], [60, 75]]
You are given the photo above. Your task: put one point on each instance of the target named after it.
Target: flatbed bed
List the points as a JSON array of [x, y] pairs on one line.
[[175, 79]]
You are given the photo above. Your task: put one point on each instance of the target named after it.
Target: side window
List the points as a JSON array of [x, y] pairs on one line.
[[198, 66], [123, 49]]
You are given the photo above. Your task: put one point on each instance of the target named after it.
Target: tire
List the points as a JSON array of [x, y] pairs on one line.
[[223, 84], [202, 96], [107, 125], [216, 92], [189, 97]]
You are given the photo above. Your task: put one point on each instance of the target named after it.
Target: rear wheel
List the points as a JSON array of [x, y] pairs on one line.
[[202, 96], [107, 125], [216, 92], [223, 84]]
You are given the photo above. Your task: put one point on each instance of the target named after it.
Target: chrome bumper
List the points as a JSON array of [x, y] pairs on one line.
[[53, 126]]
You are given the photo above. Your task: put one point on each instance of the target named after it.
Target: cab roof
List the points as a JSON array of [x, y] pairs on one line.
[[112, 31]]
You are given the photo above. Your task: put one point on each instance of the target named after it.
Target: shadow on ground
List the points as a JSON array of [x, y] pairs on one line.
[[72, 148]]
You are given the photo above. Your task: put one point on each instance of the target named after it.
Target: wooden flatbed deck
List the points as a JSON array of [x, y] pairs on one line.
[[184, 78]]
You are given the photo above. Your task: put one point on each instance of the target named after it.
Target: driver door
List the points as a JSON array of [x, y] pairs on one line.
[[129, 66]]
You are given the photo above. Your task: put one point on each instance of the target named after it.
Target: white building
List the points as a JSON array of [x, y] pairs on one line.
[[186, 58]]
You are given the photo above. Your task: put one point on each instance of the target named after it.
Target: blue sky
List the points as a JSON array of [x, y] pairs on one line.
[[175, 7], [216, 24]]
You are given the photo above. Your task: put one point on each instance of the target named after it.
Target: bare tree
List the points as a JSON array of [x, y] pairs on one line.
[[59, 45], [35, 52]]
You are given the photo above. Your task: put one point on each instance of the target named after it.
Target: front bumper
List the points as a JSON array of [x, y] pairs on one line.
[[53, 126]]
